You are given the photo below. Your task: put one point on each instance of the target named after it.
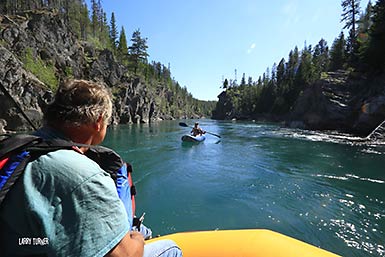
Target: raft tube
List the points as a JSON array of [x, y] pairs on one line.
[[245, 243], [190, 138]]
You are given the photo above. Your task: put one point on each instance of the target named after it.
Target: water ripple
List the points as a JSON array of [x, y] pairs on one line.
[[349, 233], [325, 189], [348, 176], [366, 179]]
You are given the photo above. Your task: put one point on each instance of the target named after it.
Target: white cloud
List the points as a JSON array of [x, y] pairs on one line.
[[290, 10], [316, 17], [251, 48]]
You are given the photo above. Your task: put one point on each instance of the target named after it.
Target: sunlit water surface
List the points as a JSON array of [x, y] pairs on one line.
[[324, 189]]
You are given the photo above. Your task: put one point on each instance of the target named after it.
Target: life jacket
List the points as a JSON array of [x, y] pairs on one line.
[[121, 173], [18, 150]]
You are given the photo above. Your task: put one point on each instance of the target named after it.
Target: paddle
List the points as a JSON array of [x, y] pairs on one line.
[[182, 124]]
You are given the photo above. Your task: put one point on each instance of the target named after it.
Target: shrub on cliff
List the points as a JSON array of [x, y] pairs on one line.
[[45, 72]]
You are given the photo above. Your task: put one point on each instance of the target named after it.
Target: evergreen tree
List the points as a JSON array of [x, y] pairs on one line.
[[84, 22], [321, 58], [225, 84], [365, 21], [138, 49], [351, 9], [305, 75], [73, 17], [364, 26], [250, 81], [94, 17], [259, 83], [266, 76], [292, 65], [337, 53], [273, 77], [281, 72], [104, 31], [122, 47], [375, 53], [243, 80], [113, 32]]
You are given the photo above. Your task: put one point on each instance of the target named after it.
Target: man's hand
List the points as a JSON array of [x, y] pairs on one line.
[[132, 245], [135, 235]]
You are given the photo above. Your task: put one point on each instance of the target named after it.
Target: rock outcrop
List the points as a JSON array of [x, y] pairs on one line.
[[224, 109], [26, 90], [340, 102], [47, 39]]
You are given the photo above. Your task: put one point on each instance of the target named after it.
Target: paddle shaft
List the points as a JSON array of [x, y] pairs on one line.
[[5, 91]]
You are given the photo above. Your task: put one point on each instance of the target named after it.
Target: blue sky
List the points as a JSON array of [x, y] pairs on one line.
[[204, 41]]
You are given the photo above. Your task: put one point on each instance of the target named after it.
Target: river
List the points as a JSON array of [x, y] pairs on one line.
[[325, 189]]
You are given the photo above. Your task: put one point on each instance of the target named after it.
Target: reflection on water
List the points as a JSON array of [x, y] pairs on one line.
[[326, 189]]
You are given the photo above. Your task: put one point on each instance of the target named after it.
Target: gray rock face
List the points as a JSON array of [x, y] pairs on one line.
[[26, 91], [47, 37], [3, 124], [338, 102], [341, 103], [225, 109], [325, 105]]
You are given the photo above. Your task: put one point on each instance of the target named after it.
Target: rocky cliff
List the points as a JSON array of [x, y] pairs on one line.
[[341, 101], [43, 39]]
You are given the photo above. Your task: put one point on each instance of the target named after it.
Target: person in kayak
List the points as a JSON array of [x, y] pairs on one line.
[[196, 130], [64, 203]]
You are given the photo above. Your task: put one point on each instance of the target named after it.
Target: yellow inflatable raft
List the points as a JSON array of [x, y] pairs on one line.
[[243, 243]]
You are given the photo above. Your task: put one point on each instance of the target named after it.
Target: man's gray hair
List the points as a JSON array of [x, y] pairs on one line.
[[79, 102]]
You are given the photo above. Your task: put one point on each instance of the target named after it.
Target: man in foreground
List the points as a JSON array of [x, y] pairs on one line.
[[64, 204]]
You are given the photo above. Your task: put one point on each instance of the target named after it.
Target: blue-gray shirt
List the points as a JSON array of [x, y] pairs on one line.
[[63, 205]]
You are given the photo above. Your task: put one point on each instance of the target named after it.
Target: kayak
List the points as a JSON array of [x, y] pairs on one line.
[[243, 242], [190, 138]]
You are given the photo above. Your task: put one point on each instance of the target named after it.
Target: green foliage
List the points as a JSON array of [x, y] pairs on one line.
[[279, 93], [351, 9], [281, 72], [95, 42], [374, 51], [113, 32], [45, 72], [68, 72], [76, 15], [321, 59], [274, 92], [138, 50], [92, 25], [306, 70], [338, 53], [94, 17], [122, 51], [225, 84], [104, 31], [324, 75]]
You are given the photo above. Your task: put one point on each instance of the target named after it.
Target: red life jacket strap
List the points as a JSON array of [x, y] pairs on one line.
[[3, 162], [132, 188]]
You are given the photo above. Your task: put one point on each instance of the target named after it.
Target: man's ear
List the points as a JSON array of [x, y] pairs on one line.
[[99, 123]]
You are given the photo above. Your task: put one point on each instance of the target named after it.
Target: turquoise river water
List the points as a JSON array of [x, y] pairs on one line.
[[325, 189]]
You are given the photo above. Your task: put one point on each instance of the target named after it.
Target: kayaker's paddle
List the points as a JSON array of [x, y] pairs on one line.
[[182, 124]]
